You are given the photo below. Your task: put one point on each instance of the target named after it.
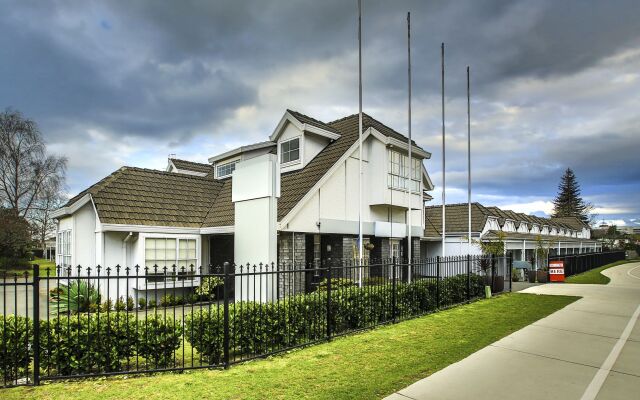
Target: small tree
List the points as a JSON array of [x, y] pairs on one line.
[[568, 202], [14, 239], [542, 251]]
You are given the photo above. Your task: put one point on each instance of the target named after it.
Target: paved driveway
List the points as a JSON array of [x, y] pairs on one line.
[[588, 350]]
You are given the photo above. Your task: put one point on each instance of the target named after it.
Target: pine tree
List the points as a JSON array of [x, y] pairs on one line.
[[568, 202]]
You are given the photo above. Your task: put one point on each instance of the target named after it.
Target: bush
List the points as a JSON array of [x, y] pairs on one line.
[[209, 287], [159, 338], [79, 296], [167, 300], [142, 303], [204, 330], [16, 346], [153, 303], [87, 343], [336, 283]]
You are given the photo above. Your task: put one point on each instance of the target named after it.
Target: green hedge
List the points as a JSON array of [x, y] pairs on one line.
[[259, 328], [16, 338]]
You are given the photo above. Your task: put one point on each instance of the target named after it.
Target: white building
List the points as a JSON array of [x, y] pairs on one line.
[[522, 233], [293, 198]]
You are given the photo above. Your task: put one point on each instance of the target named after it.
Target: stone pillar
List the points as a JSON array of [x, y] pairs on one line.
[[291, 255]]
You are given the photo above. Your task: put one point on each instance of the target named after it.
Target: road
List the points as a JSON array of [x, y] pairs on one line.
[[588, 350]]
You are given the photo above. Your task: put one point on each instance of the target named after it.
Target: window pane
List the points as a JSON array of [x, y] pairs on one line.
[[295, 154], [294, 144]]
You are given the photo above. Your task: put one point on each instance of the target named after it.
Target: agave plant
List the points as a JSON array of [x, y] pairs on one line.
[[78, 296]]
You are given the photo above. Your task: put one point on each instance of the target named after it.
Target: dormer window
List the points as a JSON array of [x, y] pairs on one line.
[[290, 151], [226, 169]]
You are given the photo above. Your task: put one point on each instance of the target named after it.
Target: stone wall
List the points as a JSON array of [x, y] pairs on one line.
[[291, 254]]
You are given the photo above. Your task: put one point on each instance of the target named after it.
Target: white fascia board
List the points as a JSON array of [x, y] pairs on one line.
[[189, 172], [239, 150], [427, 179], [149, 229], [287, 218], [287, 117], [320, 131], [68, 210], [212, 230], [404, 145], [166, 229]]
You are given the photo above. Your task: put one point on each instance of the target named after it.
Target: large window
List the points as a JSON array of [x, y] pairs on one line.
[[290, 151], [167, 252], [399, 176], [64, 248], [225, 170]]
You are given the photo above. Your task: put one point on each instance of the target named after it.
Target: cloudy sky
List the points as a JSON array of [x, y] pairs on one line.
[[554, 85]]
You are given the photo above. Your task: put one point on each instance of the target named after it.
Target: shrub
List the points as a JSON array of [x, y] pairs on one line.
[[87, 343], [153, 303], [120, 304], [142, 303], [159, 338], [336, 283], [106, 306], [167, 300], [209, 287], [76, 297], [204, 330], [16, 346]]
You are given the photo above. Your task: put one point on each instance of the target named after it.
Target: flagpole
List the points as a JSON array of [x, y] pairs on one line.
[[409, 181], [360, 244], [469, 156], [444, 198]]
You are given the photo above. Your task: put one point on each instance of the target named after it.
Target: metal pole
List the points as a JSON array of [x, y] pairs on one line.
[[444, 198], [226, 291], [410, 180], [360, 244], [469, 157], [36, 324]]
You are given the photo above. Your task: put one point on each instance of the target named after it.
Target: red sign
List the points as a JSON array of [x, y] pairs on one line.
[[556, 271]]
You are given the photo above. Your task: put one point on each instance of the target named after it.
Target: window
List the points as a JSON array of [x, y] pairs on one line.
[[167, 252], [64, 248], [290, 151], [226, 169], [399, 176]]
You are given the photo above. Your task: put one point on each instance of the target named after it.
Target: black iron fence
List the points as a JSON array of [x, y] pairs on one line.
[[579, 263], [80, 322]]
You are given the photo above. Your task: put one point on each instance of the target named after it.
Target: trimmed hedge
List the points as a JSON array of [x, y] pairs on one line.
[[259, 328], [159, 339], [16, 338]]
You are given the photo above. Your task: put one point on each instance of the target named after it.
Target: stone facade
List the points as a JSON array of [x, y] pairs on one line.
[[291, 254]]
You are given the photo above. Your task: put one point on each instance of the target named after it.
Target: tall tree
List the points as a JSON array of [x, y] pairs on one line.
[[42, 223], [26, 169], [569, 202]]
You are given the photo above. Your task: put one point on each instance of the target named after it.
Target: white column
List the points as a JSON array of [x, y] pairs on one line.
[[255, 192], [524, 250]]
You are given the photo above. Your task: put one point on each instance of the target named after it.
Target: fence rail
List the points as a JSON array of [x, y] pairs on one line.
[[579, 263], [82, 322]]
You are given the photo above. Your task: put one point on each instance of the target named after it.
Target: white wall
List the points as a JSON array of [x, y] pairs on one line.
[[337, 197]]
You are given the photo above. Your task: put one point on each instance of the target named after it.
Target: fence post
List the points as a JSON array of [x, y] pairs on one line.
[[394, 289], [227, 288], [468, 277], [510, 266], [437, 282], [328, 301], [36, 324]]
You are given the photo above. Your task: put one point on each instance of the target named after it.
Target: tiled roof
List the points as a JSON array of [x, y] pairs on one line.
[[148, 197], [138, 196], [192, 166], [457, 219]]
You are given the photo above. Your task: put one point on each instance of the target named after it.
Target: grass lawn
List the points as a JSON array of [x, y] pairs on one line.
[[369, 365], [595, 276], [42, 262]]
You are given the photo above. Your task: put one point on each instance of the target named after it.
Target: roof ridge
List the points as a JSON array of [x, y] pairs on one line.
[[156, 171], [189, 161]]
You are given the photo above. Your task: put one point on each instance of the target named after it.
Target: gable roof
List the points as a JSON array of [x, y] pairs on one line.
[[457, 218], [191, 166], [305, 119], [140, 196]]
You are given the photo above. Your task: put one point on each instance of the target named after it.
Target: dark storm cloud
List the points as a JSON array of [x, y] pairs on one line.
[[201, 76]]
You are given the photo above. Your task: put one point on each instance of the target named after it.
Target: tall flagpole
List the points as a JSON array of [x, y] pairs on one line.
[[444, 198], [409, 181], [360, 244], [469, 157]]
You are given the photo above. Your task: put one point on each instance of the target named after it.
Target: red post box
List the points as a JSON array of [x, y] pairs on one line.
[[556, 271]]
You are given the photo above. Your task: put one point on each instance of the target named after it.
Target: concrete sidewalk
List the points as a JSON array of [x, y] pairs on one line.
[[588, 350]]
